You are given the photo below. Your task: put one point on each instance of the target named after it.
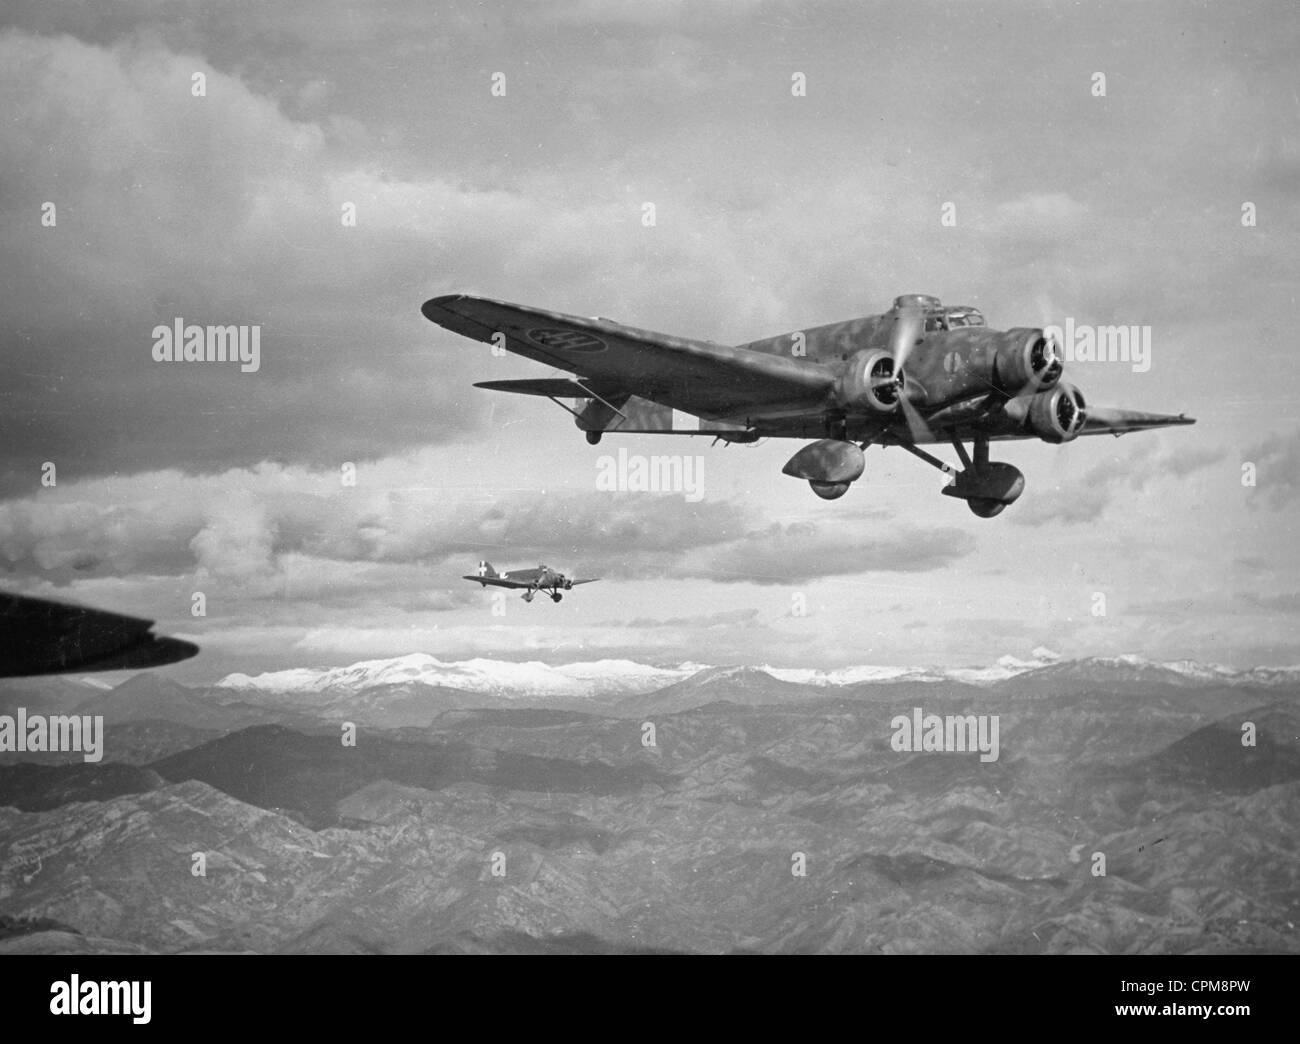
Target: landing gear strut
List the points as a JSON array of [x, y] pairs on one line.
[[986, 486]]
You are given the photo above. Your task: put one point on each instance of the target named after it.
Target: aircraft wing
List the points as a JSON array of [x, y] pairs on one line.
[[553, 388], [698, 377], [43, 637], [496, 581], [1111, 420]]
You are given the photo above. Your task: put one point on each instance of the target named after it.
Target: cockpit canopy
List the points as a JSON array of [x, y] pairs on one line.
[[957, 316], [937, 316]]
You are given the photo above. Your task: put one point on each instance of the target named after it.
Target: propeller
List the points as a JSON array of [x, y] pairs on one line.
[[909, 326]]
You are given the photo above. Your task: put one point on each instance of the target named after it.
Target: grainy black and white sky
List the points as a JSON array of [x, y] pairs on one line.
[[773, 212]]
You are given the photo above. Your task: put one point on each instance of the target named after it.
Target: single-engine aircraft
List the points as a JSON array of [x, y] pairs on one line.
[[543, 578], [42, 637], [921, 373]]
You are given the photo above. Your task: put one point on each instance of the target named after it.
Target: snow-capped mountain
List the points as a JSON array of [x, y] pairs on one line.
[[494, 677], [1131, 669], [863, 674], [617, 678], [1005, 667]]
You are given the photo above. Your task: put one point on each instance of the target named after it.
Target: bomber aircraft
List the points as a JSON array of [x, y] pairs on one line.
[[43, 637], [543, 578], [919, 374]]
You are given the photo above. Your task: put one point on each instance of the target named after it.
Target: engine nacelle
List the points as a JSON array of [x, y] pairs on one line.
[[868, 383], [1027, 357], [1057, 415]]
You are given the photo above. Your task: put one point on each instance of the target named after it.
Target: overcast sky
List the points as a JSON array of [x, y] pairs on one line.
[[773, 212]]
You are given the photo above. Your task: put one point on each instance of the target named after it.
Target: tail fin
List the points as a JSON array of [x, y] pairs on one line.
[[485, 569]]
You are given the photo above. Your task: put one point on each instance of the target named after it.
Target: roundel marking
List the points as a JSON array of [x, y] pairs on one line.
[[567, 340]]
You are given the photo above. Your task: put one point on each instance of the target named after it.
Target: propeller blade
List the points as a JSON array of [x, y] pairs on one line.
[[915, 422], [909, 325]]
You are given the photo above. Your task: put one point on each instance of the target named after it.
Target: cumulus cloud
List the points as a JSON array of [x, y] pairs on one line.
[[236, 540], [221, 210], [242, 527], [774, 212], [1087, 498]]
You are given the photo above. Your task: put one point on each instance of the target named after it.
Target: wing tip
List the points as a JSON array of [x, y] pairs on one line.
[[173, 650], [437, 308]]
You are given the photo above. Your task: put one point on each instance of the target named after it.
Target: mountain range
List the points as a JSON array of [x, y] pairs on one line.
[[727, 809], [604, 678], [415, 690]]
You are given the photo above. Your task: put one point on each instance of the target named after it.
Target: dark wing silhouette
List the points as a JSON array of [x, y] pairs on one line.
[[43, 637]]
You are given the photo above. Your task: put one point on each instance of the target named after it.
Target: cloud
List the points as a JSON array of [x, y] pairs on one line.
[[1087, 498], [1287, 603], [236, 539], [725, 619], [243, 526], [774, 212], [639, 13], [215, 209], [1041, 214], [1188, 462], [1277, 468], [222, 210], [803, 552]]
